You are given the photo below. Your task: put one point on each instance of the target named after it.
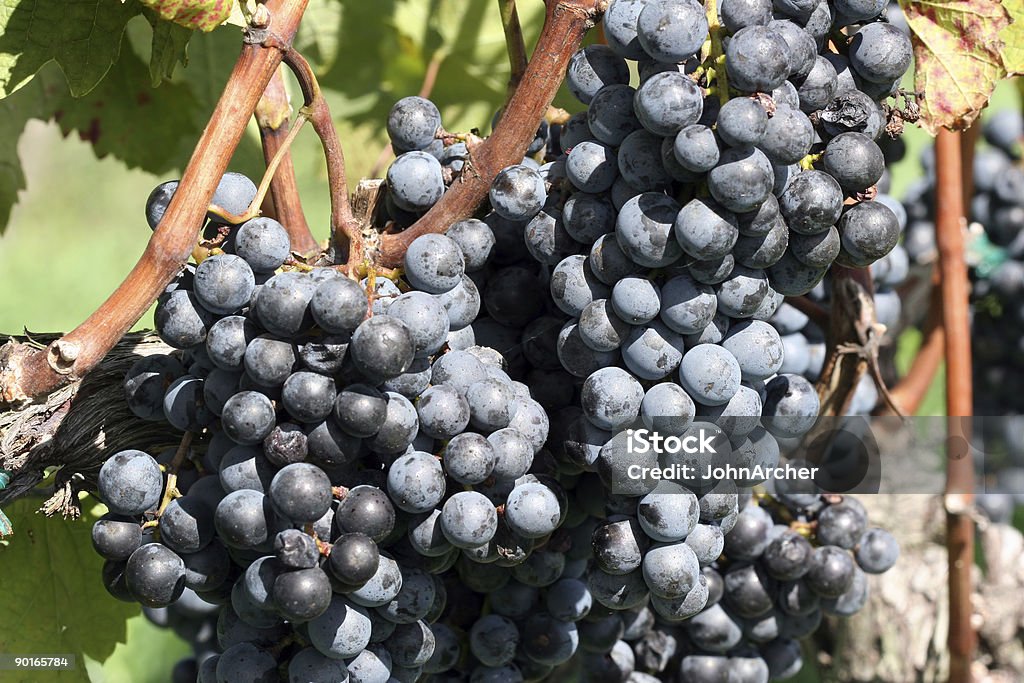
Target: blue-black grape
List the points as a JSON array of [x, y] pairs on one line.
[[643, 229], [668, 102], [756, 59], [434, 264], [234, 193], [263, 243], [592, 68], [867, 231], [130, 482], [672, 31], [705, 230], [620, 27], [788, 136], [415, 181], [592, 166], [880, 53], [517, 193], [158, 201], [610, 116], [742, 180], [812, 202], [412, 123], [877, 551]]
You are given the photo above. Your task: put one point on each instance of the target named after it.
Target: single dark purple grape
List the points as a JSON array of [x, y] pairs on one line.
[[248, 417], [301, 493], [354, 559], [367, 510], [302, 595], [116, 537], [155, 575]]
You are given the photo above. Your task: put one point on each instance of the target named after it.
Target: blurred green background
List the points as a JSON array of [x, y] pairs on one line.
[[79, 227]]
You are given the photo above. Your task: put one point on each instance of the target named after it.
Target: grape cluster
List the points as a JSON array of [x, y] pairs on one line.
[[346, 464], [676, 219], [423, 477], [996, 266]]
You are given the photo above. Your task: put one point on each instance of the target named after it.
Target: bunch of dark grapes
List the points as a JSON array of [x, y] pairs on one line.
[[425, 477], [354, 450], [996, 266]]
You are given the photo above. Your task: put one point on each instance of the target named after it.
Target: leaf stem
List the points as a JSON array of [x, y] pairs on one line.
[[716, 52], [273, 113], [171, 488], [514, 43], [344, 227], [268, 177]]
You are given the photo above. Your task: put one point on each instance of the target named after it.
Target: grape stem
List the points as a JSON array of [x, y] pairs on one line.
[[565, 24], [714, 52], [852, 336], [912, 389], [959, 492], [26, 372], [171, 488], [273, 113], [344, 227], [514, 43], [268, 177]]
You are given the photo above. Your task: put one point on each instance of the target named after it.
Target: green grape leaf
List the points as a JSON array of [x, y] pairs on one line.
[[201, 15], [169, 48], [319, 33], [958, 60], [84, 37], [55, 601], [109, 117], [1013, 38], [15, 112]]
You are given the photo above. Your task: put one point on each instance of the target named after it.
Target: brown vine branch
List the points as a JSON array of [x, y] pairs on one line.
[[77, 426], [852, 337], [514, 43], [910, 392], [273, 113], [968, 142], [959, 494], [344, 227], [565, 24], [29, 373]]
